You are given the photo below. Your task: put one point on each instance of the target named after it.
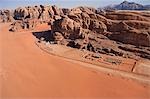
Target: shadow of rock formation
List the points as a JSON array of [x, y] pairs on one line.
[[45, 35]]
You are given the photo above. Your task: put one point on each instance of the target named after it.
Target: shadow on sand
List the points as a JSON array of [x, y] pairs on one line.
[[46, 35]]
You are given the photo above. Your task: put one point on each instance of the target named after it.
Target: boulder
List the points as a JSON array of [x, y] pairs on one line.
[[68, 27], [58, 37]]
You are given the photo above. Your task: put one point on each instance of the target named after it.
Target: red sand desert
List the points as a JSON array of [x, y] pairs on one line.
[[26, 72]]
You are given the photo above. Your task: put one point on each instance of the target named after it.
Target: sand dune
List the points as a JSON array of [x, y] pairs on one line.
[[28, 72]]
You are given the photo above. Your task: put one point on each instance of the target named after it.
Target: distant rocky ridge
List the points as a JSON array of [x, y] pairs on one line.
[[125, 5], [29, 17], [119, 33]]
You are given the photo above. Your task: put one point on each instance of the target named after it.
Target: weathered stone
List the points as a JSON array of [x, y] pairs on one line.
[[134, 37], [97, 26], [69, 28], [6, 16], [58, 36], [57, 11], [20, 13]]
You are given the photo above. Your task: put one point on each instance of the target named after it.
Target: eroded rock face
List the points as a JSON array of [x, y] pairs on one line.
[[118, 26], [139, 24], [42, 14], [125, 16], [97, 26], [57, 11], [118, 33], [6, 16], [83, 28], [33, 12], [133, 37], [69, 28], [23, 25], [128, 34], [20, 13]]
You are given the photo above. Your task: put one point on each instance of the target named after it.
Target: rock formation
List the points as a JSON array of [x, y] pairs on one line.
[[84, 28], [120, 33], [69, 28], [6, 16], [42, 14], [23, 25]]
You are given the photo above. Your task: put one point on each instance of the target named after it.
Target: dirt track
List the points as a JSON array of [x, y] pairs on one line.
[[26, 71]]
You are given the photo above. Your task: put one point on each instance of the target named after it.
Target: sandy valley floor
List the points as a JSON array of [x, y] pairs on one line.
[[26, 72]]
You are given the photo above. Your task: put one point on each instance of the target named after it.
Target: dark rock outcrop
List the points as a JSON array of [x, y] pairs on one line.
[[20, 13]]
